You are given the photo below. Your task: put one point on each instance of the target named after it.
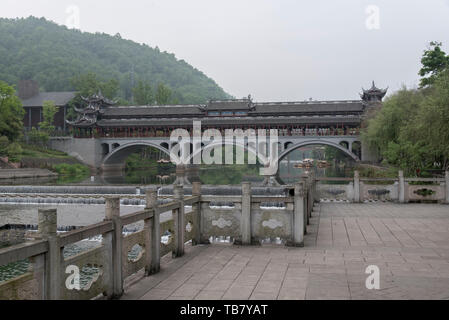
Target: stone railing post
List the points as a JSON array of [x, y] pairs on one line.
[[447, 186], [179, 219], [299, 215], [357, 197], [306, 191], [245, 222], [311, 196], [314, 189], [196, 209], [154, 234], [113, 214], [401, 187], [47, 228]]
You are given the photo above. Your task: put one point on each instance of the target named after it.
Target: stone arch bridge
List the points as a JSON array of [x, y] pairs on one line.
[[104, 134], [109, 154]]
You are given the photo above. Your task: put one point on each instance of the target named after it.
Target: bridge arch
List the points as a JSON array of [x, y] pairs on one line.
[[319, 142], [118, 155], [219, 144]]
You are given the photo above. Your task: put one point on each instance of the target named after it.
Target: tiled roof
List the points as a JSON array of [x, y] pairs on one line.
[[152, 111], [59, 98], [324, 120], [266, 109], [309, 107], [242, 104]]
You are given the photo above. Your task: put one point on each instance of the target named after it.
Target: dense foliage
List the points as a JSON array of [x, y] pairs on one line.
[[411, 131], [49, 111], [11, 112], [434, 61], [53, 55]]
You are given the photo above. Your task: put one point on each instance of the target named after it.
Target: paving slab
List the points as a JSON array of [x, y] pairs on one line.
[[409, 243]]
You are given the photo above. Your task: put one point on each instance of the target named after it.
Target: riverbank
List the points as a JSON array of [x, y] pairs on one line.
[[38, 163], [26, 173]]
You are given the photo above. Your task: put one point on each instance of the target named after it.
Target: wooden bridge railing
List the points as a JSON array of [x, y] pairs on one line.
[[247, 219]]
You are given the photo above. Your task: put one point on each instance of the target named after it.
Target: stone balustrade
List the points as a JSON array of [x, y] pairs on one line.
[[400, 189], [246, 219]]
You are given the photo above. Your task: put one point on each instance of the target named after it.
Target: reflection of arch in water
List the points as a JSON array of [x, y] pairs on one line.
[[221, 144], [119, 154], [318, 142]]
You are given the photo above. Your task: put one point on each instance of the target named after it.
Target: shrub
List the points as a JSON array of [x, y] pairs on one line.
[[4, 142], [71, 169], [38, 138], [14, 152]]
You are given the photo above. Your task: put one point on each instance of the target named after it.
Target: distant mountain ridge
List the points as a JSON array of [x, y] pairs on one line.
[[38, 49]]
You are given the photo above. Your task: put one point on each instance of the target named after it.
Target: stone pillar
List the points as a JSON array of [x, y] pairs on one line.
[[299, 214], [47, 228], [47, 222], [447, 186], [401, 187], [192, 173], [270, 181], [181, 178], [179, 219], [357, 197], [155, 233], [245, 222], [113, 214], [197, 218], [311, 194], [37, 267], [306, 191], [316, 196]]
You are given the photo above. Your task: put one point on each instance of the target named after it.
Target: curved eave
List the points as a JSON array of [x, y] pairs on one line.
[[80, 125]]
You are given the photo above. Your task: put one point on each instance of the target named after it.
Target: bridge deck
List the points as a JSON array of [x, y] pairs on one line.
[[408, 242]]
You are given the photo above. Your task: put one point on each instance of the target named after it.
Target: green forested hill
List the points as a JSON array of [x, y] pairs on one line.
[[34, 48]]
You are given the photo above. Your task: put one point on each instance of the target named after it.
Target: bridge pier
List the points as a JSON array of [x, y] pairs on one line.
[[181, 177], [270, 181]]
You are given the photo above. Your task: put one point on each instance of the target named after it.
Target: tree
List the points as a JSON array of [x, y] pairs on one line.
[[48, 112], [88, 84], [411, 131], [14, 152], [433, 62], [11, 113], [4, 142], [143, 93], [396, 111], [37, 138], [35, 48], [163, 94]]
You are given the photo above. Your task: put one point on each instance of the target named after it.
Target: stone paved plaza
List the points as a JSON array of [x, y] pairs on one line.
[[408, 242]]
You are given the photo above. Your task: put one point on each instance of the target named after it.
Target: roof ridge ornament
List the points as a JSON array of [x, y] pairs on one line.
[[374, 94], [95, 104]]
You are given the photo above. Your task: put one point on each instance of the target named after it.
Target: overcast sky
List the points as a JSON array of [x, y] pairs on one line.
[[275, 50]]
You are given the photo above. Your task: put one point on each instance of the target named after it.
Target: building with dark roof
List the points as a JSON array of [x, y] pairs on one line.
[[33, 100]]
